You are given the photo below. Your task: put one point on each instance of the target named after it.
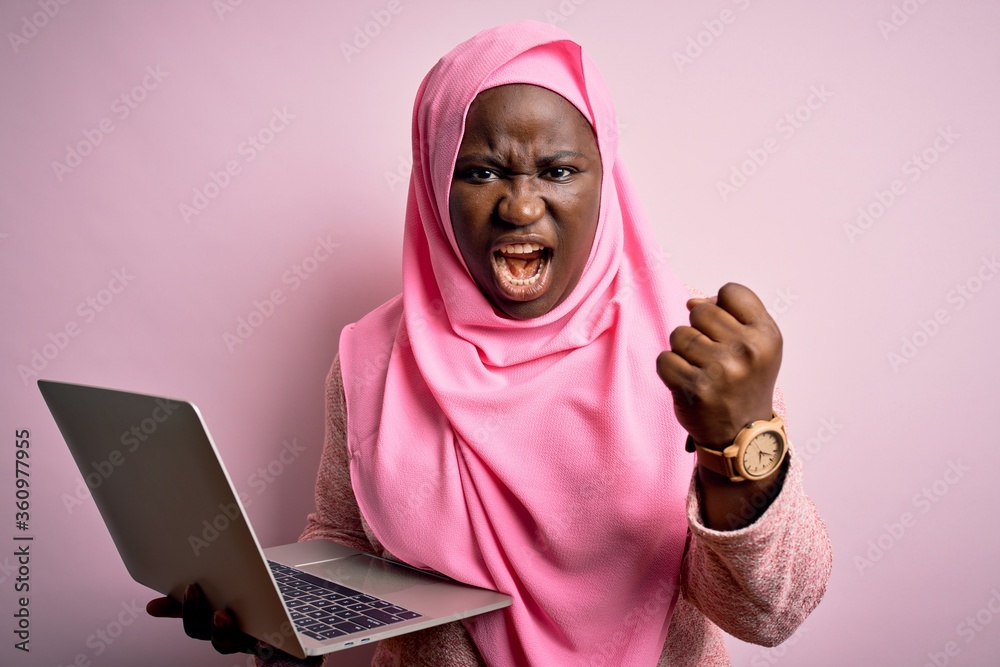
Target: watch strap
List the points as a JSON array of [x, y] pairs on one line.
[[717, 462]]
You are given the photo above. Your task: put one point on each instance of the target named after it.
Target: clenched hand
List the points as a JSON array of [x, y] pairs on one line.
[[721, 370]]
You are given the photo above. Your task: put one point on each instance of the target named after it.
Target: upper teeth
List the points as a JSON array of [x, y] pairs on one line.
[[521, 248]]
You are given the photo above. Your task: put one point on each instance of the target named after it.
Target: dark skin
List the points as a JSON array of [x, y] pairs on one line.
[[200, 622], [529, 171], [721, 371]]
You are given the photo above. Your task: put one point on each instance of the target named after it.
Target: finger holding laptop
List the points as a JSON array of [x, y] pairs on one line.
[[200, 622]]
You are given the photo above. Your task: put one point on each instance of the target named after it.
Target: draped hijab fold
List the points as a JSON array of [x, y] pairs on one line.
[[537, 457]]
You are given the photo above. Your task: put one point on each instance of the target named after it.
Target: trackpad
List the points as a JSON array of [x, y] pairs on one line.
[[372, 575], [298, 554]]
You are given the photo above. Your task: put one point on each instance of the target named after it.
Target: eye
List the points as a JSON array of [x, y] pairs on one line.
[[560, 173], [479, 175]]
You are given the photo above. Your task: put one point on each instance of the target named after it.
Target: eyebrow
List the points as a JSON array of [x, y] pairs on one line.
[[493, 161]]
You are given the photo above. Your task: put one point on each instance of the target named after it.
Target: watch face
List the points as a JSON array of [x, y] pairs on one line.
[[761, 455]]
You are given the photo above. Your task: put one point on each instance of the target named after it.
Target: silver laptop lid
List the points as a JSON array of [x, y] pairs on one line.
[[176, 518], [166, 514]]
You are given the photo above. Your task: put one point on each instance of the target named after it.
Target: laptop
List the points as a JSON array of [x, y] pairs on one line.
[[176, 518]]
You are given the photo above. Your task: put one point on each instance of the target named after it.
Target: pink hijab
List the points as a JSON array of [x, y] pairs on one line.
[[537, 457]]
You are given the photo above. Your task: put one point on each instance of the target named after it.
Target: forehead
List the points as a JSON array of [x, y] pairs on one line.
[[525, 113]]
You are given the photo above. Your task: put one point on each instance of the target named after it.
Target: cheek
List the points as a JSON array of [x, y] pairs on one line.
[[586, 209], [455, 211], [467, 223], [461, 219]]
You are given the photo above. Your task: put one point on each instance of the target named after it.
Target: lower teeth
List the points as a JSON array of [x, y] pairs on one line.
[[520, 282]]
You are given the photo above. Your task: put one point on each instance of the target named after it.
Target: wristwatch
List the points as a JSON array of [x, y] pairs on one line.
[[757, 451]]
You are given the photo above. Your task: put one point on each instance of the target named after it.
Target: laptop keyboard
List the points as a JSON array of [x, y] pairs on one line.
[[324, 610]]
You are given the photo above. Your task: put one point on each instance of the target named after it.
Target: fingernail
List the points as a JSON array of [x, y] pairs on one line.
[[218, 620]]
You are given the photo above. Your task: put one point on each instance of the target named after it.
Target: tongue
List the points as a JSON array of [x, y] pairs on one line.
[[522, 268]]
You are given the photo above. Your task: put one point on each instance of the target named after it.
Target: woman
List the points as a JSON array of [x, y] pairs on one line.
[[502, 421]]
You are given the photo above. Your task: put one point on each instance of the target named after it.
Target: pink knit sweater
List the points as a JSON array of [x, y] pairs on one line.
[[757, 583]]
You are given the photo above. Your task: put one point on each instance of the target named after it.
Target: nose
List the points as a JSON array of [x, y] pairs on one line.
[[522, 204]]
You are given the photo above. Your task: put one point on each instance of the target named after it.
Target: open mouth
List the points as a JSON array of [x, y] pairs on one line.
[[521, 269]]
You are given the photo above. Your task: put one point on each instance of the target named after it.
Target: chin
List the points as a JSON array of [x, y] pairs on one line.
[[524, 310]]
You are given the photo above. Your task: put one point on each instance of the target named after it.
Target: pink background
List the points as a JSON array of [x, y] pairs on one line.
[[915, 549]]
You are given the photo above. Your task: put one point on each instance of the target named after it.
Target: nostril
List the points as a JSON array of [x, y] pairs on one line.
[[522, 210]]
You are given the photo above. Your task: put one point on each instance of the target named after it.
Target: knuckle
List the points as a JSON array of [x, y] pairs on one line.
[[701, 386], [779, 340], [687, 392], [734, 367], [755, 344], [701, 309], [739, 349], [676, 336], [703, 315], [663, 365]]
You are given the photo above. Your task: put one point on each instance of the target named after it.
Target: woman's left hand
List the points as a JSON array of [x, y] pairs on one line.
[[721, 370]]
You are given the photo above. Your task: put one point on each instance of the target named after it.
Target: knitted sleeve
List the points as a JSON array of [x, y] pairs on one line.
[[759, 583], [337, 517]]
